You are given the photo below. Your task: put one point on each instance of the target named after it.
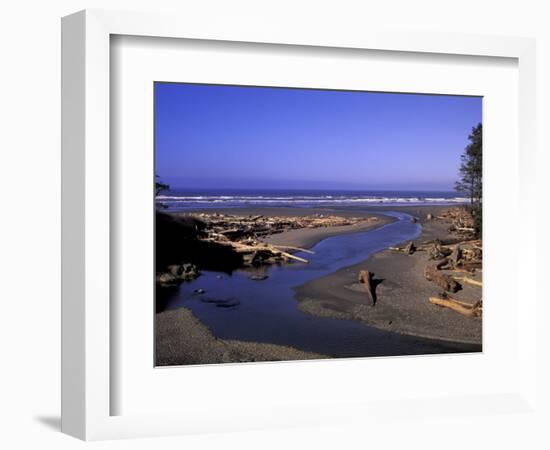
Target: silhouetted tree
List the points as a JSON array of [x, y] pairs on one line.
[[159, 187], [471, 180]]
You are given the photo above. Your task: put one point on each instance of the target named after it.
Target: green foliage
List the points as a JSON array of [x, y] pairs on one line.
[[471, 179]]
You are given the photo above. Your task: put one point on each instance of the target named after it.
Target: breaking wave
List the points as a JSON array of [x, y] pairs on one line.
[[183, 201]]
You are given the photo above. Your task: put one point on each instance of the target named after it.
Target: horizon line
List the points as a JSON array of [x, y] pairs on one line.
[[310, 189]]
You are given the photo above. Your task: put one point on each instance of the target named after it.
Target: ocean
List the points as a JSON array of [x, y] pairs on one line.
[[181, 200]]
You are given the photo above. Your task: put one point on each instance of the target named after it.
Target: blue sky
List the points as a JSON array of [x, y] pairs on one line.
[[236, 137]]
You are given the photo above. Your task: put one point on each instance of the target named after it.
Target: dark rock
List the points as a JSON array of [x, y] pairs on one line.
[[221, 303], [184, 272], [259, 277], [228, 304]]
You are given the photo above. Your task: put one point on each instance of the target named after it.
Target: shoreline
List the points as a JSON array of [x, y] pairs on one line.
[[182, 339], [309, 237]]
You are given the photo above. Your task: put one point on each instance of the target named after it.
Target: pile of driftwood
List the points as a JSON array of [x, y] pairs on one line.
[[242, 234], [236, 227], [458, 261], [461, 221], [464, 255], [453, 262]]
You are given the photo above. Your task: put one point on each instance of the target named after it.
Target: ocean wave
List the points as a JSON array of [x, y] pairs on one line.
[[301, 200]]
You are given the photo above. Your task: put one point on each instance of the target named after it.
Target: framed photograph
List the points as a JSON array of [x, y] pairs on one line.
[[252, 217], [332, 221]]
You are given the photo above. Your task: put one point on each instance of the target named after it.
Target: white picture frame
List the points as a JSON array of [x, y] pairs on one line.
[[86, 246]]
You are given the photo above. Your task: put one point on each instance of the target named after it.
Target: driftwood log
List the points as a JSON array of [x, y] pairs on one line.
[[410, 248], [469, 281], [466, 309], [437, 251], [290, 247], [456, 255], [261, 251], [365, 277], [469, 266], [443, 264], [444, 281]]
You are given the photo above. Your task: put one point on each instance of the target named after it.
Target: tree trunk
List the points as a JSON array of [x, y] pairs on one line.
[[365, 277]]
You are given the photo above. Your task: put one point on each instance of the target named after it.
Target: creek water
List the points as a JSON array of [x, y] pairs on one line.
[[234, 306]]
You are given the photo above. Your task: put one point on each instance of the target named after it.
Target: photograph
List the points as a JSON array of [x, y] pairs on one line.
[[311, 224]]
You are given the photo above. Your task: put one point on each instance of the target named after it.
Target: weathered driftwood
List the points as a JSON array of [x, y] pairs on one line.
[[294, 257], [469, 281], [443, 280], [460, 218], [468, 229], [466, 309], [443, 264], [365, 277], [240, 237], [460, 270], [290, 247], [463, 254], [437, 251], [469, 265], [261, 252], [259, 225], [456, 255], [409, 249]]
